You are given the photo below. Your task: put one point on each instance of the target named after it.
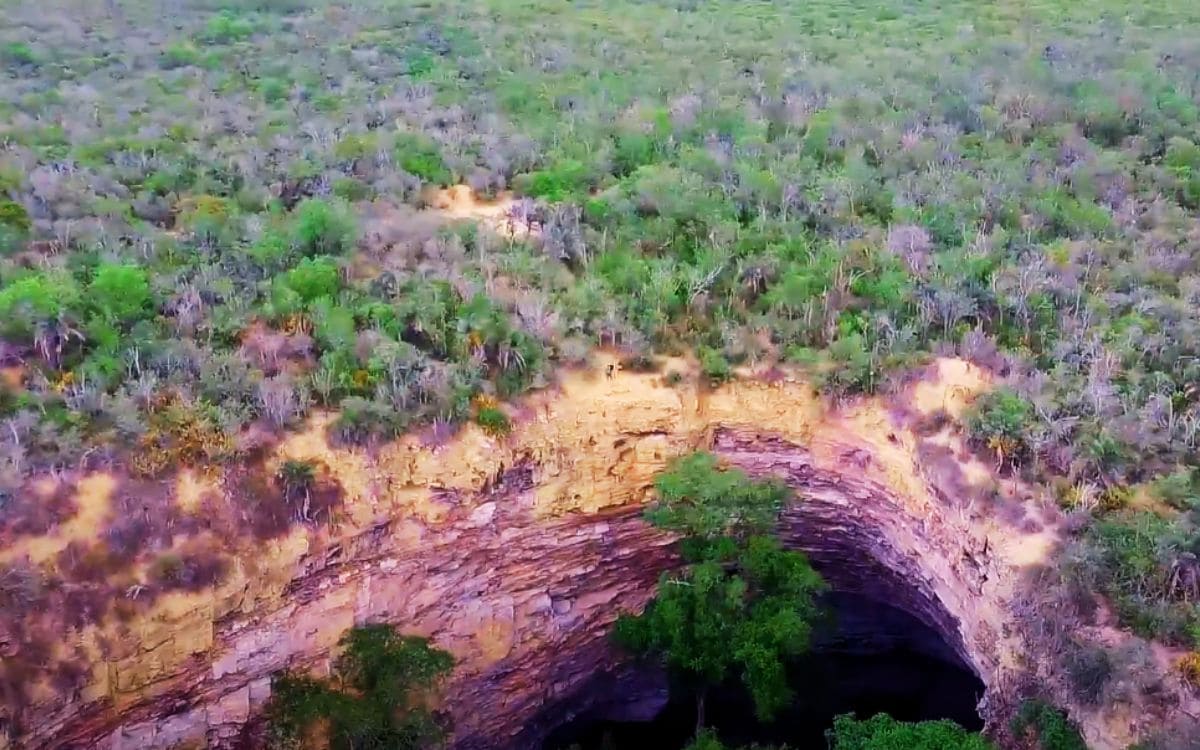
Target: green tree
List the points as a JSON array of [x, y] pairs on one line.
[[34, 300], [376, 699], [419, 156], [743, 605], [882, 732], [322, 227], [310, 280], [15, 226], [120, 292], [703, 502]]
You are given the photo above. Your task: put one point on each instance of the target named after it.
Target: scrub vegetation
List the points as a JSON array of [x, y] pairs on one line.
[[209, 227]]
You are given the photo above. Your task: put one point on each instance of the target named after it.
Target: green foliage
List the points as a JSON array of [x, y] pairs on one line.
[[633, 150], [297, 474], [311, 279], [1135, 558], [882, 732], [493, 421], [14, 216], [420, 156], [706, 739], [743, 605], [376, 697], [333, 325], [354, 146], [700, 500], [15, 226], [714, 365], [741, 610], [1047, 726], [852, 368], [1180, 490], [18, 53], [565, 180], [226, 27], [323, 227], [351, 190], [1000, 421], [180, 54], [36, 299], [120, 292], [817, 136]]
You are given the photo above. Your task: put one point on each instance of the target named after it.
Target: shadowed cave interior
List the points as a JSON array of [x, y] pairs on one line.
[[868, 657]]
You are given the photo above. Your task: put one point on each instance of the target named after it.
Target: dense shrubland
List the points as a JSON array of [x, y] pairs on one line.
[[205, 227]]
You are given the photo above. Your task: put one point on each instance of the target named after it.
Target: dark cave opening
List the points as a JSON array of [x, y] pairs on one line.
[[869, 658]]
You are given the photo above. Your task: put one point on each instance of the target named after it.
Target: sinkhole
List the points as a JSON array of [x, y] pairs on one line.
[[868, 657]]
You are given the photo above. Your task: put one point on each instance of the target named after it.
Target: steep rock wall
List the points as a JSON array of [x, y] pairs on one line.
[[516, 554]]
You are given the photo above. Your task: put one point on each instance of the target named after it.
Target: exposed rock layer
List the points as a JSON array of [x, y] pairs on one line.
[[518, 554]]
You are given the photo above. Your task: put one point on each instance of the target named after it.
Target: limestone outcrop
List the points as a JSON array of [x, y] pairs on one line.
[[517, 553]]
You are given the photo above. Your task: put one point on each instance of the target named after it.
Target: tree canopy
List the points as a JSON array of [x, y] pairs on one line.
[[376, 698], [882, 732], [743, 605]]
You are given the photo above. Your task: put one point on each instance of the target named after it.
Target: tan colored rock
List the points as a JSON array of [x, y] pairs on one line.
[[518, 554]]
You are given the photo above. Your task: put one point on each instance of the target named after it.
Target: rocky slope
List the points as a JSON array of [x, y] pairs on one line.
[[516, 554]]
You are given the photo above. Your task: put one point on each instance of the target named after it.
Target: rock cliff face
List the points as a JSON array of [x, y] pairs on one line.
[[516, 554]]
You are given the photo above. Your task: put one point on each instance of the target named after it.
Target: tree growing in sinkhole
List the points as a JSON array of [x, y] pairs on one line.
[[375, 699], [882, 732], [742, 605]]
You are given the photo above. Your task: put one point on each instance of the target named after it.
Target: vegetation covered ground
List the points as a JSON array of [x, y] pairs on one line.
[[208, 227]]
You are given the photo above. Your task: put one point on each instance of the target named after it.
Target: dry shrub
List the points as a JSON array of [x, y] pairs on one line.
[[180, 435], [28, 513], [1188, 667], [189, 569], [270, 504]]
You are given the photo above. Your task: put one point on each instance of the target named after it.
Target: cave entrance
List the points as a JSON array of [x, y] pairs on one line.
[[868, 658]]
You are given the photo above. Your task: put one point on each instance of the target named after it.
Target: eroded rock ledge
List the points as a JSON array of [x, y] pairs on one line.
[[517, 555]]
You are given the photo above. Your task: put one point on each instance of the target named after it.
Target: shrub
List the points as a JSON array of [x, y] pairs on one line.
[[322, 227], [207, 215], [493, 421], [120, 292], [18, 53], [14, 226], [1089, 669], [714, 366], [1114, 497], [1042, 723], [32, 300], [1183, 161], [297, 475], [882, 732], [179, 54], [1188, 667], [1000, 421], [1180, 490], [13, 216], [179, 434], [420, 157], [350, 189], [311, 279], [226, 27], [634, 150], [565, 180]]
